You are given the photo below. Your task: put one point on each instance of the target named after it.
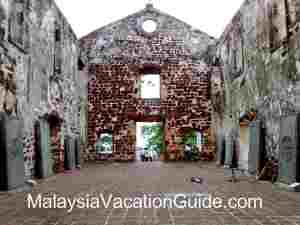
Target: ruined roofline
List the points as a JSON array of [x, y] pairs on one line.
[[147, 9], [229, 25]]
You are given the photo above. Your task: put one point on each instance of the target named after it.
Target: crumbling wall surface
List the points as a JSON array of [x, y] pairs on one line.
[[233, 49], [127, 39], [38, 41], [262, 73], [120, 53]]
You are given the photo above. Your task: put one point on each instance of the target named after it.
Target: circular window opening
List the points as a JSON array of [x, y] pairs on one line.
[[149, 26]]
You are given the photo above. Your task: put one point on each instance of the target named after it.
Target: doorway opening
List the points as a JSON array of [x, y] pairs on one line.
[[150, 143], [55, 143]]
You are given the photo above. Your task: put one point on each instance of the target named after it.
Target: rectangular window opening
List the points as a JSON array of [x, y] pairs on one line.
[[150, 86], [104, 144]]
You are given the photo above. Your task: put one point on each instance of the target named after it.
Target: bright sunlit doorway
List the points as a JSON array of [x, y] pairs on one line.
[[149, 141]]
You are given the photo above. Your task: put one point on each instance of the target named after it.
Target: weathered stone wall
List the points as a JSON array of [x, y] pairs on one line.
[[38, 41], [120, 53], [115, 103], [259, 53]]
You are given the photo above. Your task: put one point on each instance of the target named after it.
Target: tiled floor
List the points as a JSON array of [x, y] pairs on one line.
[[158, 179]]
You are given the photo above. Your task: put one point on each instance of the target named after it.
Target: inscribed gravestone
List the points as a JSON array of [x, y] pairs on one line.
[[77, 151], [44, 161], [221, 149], [289, 153], [11, 153], [256, 151], [69, 153]]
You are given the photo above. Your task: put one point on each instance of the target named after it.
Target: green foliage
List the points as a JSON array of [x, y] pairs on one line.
[[190, 138], [154, 134]]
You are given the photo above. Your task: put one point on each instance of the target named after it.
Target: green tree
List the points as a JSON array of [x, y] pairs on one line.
[[154, 134], [190, 138]]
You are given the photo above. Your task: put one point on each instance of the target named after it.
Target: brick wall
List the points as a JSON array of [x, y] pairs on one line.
[[114, 104], [120, 53]]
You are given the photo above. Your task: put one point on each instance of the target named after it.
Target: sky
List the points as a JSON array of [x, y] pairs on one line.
[[210, 16]]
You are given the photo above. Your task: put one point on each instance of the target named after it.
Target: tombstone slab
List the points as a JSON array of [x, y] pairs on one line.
[[289, 153], [44, 159], [12, 168], [77, 152], [256, 148], [70, 159], [221, 149], [229, 149]]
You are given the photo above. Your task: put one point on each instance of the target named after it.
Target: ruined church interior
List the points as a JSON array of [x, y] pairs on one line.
[[149, 106]]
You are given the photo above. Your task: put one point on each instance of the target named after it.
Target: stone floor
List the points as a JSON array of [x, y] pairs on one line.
[[132, 180]]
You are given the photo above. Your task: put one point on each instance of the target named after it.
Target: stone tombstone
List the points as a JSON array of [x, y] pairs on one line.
[[256, 147], [221, 144], [44, 159], [289, 153], [12, 169], [77, 152], [70, 159], [229, 147]]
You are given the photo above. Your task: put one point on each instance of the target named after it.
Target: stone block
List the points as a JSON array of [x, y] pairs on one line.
[[221, 144], [12, 170], [229, 150], [256, 148], [70, 160], [44, 157], [78, 159], [289, 153]]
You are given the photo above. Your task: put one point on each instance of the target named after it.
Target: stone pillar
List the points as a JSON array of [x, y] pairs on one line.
[[12, 169]]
